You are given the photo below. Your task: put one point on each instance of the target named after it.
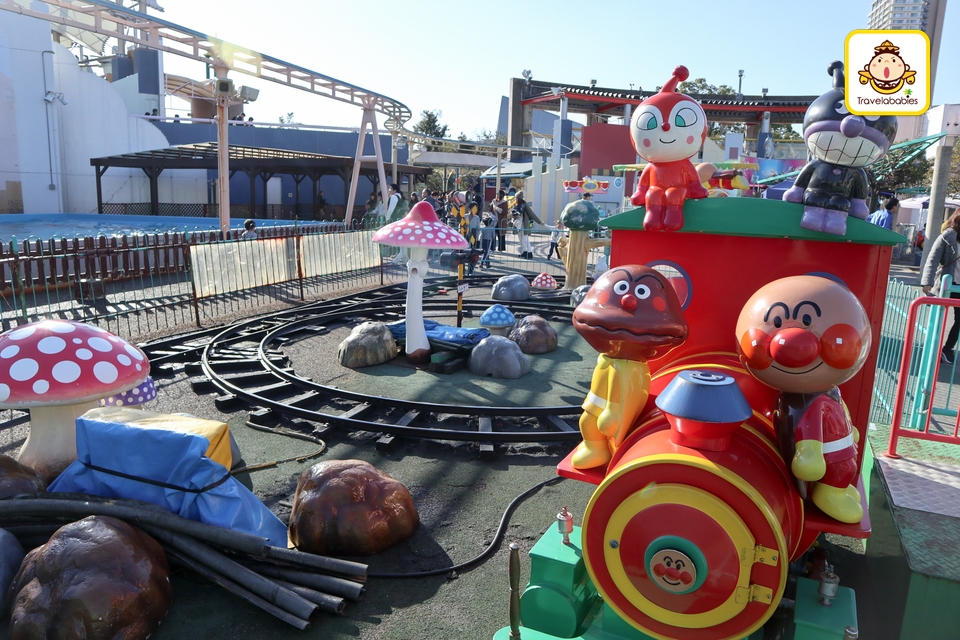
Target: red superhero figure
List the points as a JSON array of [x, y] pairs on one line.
[[667, 130], [804, 335]]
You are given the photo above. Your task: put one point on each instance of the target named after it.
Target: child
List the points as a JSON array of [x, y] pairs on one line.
[[250, 232], [555, 233], [488, 235]]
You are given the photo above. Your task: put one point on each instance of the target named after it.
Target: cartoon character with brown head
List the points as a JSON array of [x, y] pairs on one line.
[[630, 315], [804, 335]]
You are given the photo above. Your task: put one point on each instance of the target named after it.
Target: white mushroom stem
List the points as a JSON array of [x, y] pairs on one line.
[[416, 333], [52, 443]]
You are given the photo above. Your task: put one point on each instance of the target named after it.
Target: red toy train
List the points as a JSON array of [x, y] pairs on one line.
[[690, 531]]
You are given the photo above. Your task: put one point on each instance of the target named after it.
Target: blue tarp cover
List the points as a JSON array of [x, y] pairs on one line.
[[136, 443], [461, 336]]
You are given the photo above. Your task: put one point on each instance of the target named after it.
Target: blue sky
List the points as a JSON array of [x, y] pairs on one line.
[[459, 58]]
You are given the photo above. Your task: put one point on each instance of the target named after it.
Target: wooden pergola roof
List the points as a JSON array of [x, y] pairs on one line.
[[254, 161]]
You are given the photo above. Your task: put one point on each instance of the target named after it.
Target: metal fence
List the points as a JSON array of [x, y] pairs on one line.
[[302, 211]]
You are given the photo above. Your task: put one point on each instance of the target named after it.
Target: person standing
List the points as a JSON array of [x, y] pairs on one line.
[[883, 217], [321, 207], [488, 235], [393, 200], [427, 197], [555, 233], [250, 230], [478, 195], [527, 218], [498, 208], [944, 258], [473, 225]]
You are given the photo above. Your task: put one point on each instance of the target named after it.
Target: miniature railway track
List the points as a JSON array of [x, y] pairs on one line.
[[246, 365]]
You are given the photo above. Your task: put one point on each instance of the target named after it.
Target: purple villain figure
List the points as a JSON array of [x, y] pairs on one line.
[[834, 184]]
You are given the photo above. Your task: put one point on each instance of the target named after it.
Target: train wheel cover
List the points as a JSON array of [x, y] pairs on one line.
[[701, 501], [709, 467]]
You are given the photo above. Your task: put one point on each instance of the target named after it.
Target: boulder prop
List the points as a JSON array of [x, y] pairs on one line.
[[510, 288], [16, 479], [368, 344], [98, 578], [349, 507], [534, 335], [498, 357], [11, 555]]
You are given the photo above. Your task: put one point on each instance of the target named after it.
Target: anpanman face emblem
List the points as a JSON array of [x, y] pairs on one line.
[[672, 570]]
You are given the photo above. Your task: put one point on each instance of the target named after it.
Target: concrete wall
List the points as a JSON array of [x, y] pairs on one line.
[[96, 123], [28, 145]]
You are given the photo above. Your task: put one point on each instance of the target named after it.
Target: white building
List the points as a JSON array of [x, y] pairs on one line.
[[54, 116]]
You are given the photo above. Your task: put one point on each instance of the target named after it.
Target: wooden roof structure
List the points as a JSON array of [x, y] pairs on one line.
[[254, 161]]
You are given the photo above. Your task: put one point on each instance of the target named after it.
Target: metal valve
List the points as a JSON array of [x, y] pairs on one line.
[[829, 585], [565, 524]]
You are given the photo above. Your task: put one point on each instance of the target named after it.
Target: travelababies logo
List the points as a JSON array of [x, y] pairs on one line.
[[893, 75]]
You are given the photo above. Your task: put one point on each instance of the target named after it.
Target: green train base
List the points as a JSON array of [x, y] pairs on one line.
[[560, 602]]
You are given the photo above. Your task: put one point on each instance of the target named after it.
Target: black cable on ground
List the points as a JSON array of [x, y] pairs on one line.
[[497, 538]]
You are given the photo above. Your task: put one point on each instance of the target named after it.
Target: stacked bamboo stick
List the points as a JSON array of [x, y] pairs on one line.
[[286, 583]]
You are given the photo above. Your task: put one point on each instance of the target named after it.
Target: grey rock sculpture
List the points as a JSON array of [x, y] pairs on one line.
[[498, 357], [534, 335], [512, 287], [369, 344]]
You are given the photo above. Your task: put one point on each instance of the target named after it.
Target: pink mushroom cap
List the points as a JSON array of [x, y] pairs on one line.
[[60, 362], [544, 281], [420, 228]]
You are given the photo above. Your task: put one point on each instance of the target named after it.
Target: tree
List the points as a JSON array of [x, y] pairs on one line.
[[287, 119], [784, 132], [915, 173], [429, 125]]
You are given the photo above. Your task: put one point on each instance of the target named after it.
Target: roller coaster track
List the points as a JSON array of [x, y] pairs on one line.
[[246, 365]]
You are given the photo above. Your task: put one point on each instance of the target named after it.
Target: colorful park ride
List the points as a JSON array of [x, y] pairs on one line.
[[719, 498]]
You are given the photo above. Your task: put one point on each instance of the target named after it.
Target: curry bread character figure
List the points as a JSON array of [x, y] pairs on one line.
[[804, 335], [630, 315]]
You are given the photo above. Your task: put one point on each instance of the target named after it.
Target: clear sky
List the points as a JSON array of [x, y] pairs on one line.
[[459, 57]]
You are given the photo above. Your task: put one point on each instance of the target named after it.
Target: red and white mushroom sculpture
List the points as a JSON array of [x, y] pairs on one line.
[[59, 369], [544, 281], [420, 230]]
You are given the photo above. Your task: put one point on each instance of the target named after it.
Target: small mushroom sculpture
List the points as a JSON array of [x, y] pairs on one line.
[[59, 369], [139, 395], [544, 282], [420, 230], [497, 319]]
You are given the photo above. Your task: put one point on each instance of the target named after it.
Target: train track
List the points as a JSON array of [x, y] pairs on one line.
[[246, 365]]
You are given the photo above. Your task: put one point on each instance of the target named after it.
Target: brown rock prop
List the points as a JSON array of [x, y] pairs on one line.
[[369, 344], [16, 478], [98, 578], [534, 335], [498, 357], [349, 507]]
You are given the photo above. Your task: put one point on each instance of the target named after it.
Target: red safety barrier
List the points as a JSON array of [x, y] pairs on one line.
[[896, 432]]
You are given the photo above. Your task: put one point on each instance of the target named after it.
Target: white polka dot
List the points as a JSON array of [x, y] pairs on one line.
[[24, 369], [113, 339], [441, 235], [77, 341], [10, 351], [407, 231], [418, 231], [40, 387], [61, 327], [100, 344], [84, 354], [51, 344], [429, 235], [119, 402], [839, 340], [133, 351], [66, 371], [105, 372], [139, 367], [4, 392], [124, 360], [20, 334]]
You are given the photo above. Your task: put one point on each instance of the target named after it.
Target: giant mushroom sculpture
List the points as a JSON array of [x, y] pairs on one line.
[[581, 217], [420, 230], [59, 369]]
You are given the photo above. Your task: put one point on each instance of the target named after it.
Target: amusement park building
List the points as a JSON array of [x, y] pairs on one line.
[[56, 115]]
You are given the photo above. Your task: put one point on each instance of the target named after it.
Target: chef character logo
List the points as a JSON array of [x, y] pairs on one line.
[[887, 72]]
